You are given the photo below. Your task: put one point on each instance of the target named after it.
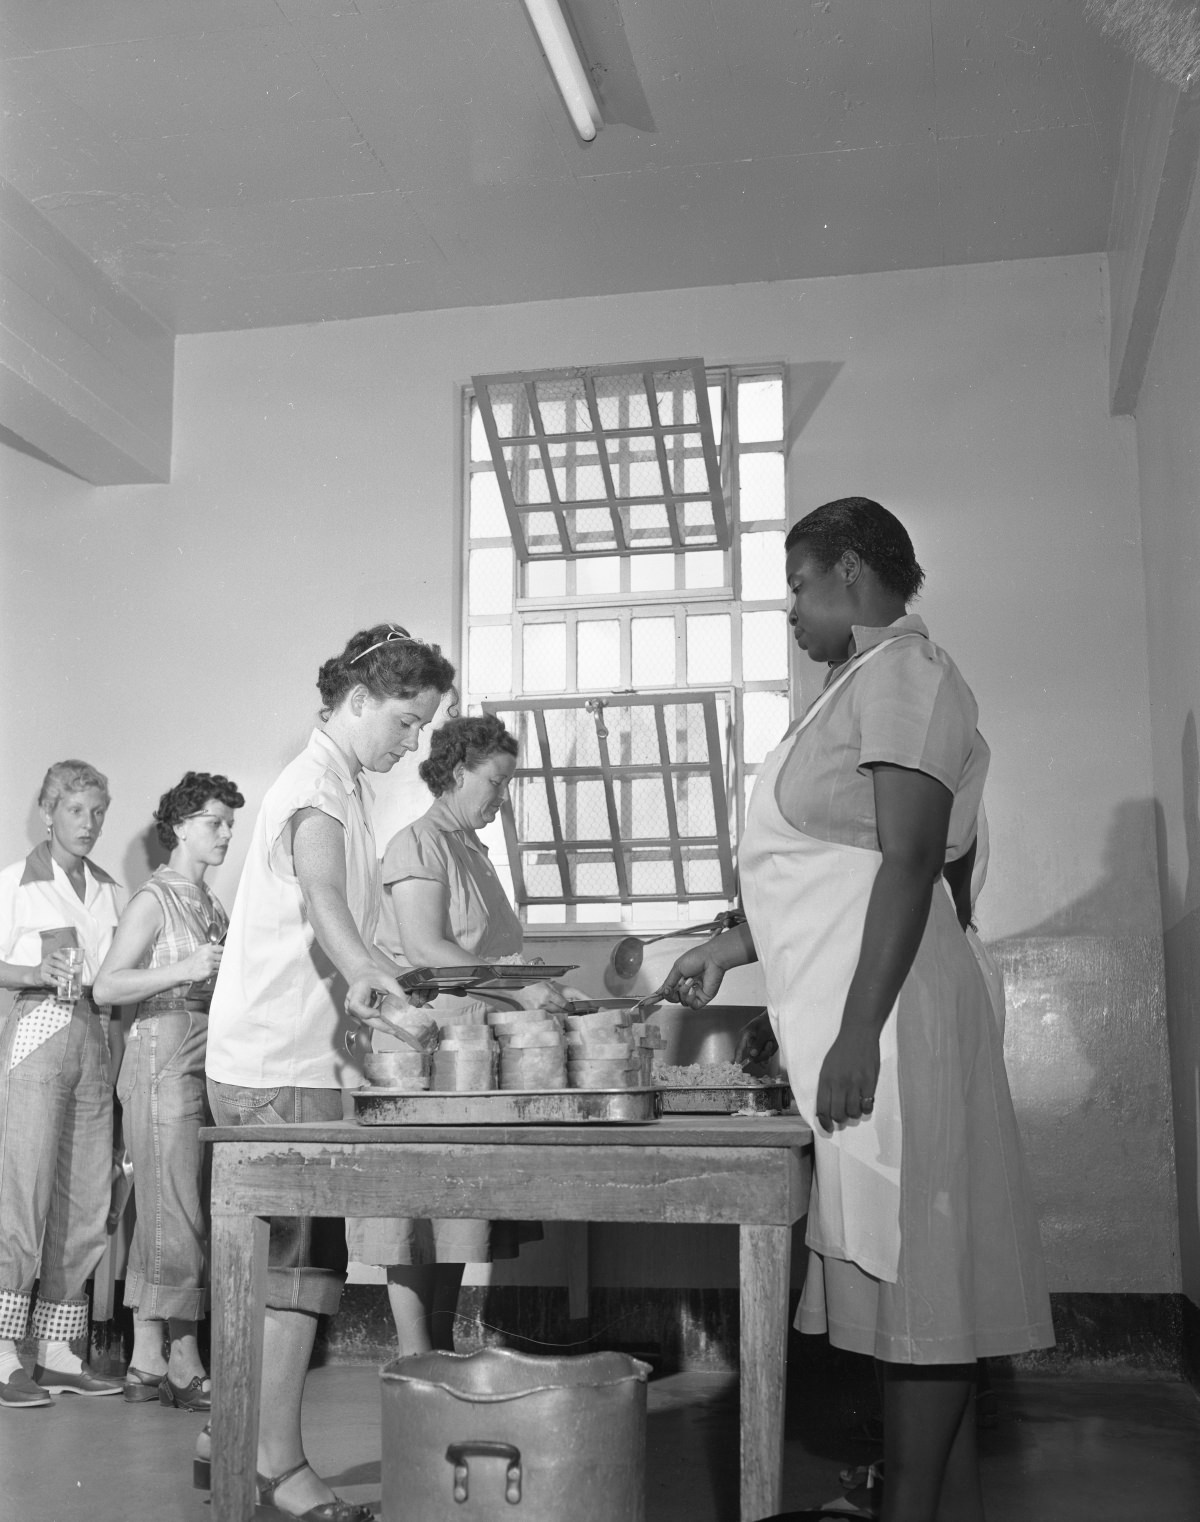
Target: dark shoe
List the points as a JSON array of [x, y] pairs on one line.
[[140, 1386], [83, 1383], [336, 1510], [20, 1390], [190, 1397], [202, 1463]]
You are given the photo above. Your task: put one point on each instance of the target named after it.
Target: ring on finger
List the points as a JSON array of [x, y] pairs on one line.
[[868, 1103]]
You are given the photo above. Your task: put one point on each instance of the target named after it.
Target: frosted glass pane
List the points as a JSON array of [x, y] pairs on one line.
[[761, 478], [648, 807], [709, 652], [546, 578], [479, 443], [765, 717], [676, 395], [652, 573], [545, 658], [653, 651], [488, 520], [704, 568], [489, 659], [764, 647], [760, 410], [598, 653], [490, 581], [545, 914], [598, 577], [598, 914], [763, 567]]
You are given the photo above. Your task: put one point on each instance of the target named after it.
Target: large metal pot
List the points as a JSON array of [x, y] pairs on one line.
[[498, 1434]]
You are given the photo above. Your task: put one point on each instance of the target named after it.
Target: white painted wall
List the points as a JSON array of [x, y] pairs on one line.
[[315, 489], [1168, 432]]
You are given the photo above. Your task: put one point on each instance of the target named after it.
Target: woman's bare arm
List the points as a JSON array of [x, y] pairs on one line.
[[912, 813], [423, 914], [319, 857], [120, 979]]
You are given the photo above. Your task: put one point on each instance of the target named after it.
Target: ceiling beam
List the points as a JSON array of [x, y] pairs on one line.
[[1160, 159], [86, 374]]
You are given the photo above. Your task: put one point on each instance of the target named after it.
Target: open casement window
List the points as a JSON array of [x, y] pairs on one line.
[[620, 800], [609, 459], [551, 632]]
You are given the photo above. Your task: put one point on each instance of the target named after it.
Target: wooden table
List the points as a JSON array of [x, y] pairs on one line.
[[749, 1173]]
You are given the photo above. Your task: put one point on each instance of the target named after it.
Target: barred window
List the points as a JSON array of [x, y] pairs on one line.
[[672, 641]]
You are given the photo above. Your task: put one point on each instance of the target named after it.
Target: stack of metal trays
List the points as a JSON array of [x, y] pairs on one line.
[[506, 1107]]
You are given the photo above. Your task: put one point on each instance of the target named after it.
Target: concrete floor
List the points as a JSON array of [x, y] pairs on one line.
[[1061, 1450]]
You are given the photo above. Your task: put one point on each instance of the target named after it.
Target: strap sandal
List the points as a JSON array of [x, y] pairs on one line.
[[336, 1510], [190, 1397], [140, 1387], [864, 1492]]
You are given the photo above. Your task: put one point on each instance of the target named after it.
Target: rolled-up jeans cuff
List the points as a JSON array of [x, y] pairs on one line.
[[14, 1314], [317, 1291], [162, 1302], [59, 1320]]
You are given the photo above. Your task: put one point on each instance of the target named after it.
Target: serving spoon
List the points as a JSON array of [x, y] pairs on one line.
[[626, 957]]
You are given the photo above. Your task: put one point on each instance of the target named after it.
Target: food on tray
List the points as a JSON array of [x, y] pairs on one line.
[[705, 1075]]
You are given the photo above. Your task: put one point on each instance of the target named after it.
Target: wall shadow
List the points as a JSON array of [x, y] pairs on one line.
[[808, 385], [1129, 873]]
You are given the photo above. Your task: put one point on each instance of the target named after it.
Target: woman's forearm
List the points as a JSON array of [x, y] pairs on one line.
[[130, 985], [15, 975], [337, 934], [430, 951], [897, 912], [733, 948]]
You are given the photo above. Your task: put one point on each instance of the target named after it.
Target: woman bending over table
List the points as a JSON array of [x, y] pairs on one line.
[[299, 969], [446, 907], [924, 1248], [55, 1090], [164, 958]]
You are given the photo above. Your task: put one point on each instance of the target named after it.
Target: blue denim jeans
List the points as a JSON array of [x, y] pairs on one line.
[[56, 1159], [306, 1258], [164, 1103]]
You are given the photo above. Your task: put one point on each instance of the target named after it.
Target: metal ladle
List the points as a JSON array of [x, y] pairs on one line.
[[626, 958]]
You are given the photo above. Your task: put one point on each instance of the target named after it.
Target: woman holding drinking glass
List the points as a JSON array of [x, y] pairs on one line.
[[164, 958], [55, 1090]]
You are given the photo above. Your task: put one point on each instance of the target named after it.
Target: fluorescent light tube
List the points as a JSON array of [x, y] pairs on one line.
[[565, 64]]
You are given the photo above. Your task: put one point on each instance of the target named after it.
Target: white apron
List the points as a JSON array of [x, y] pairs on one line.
[[806, 904]]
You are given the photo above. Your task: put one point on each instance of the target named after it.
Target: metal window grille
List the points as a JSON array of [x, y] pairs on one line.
[[620, 799], [609, 459], [554, 631]]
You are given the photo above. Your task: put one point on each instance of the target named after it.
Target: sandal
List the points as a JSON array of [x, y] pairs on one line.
[[864, 1492], [336, 1510]]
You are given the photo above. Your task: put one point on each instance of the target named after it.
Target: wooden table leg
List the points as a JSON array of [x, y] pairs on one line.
[[239, 1277], [765, 1259]]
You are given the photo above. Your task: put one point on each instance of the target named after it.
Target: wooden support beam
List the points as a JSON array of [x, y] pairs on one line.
[[1160, 158], [86, 374]]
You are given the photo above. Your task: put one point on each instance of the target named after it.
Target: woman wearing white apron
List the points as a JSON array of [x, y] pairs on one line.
[[924, 1247]]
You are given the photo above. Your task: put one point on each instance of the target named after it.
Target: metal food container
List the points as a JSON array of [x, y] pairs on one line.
[[498, 1434]]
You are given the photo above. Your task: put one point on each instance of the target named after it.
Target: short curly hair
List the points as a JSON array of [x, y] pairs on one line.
[[189, 796], [70, 777], [465, 742], [388, 662], [858, 524]]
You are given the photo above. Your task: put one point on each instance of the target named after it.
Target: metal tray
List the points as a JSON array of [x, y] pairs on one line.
[[504, 1107], [480, 976], [733, 1099]]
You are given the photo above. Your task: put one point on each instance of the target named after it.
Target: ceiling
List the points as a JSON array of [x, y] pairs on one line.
[[242, 163]]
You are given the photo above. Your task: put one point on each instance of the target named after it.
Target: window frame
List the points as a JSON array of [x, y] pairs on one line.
[[569, 606]]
